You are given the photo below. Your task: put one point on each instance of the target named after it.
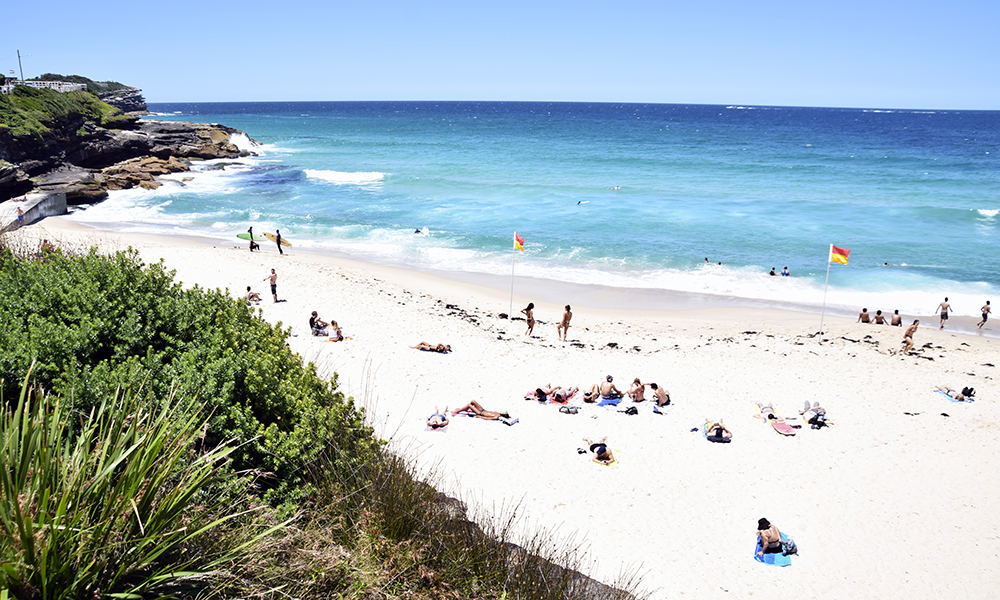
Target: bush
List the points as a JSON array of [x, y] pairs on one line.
[[94, 324]]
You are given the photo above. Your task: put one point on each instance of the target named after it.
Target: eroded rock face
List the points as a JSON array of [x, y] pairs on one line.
[[92, 160], [129, 100]]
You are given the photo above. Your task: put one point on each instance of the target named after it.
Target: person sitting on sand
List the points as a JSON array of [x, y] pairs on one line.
[[638, 391], [908, 336], [442, 348], [769, 536], [438, 420], [602, 454], [252, 296], [660, 395], [715, 431], [897, 321], [608, 389], [879, 319], [477, 409], [336, 334], [863, 317], [317, 325]]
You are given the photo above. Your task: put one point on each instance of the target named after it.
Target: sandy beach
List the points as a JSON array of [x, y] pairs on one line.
[[894, 500]]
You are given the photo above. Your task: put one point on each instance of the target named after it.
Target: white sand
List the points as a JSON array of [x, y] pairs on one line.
[[881, 504]]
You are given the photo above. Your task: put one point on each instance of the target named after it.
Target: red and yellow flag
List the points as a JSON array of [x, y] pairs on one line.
[[839, 255], [518, 242]]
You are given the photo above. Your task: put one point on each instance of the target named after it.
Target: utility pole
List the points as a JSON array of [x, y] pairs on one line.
[[19, 64]]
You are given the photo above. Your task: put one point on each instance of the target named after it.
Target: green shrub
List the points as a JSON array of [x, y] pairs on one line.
[[95, 323]]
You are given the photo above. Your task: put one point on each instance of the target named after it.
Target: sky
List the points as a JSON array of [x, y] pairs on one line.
[[787, 53]]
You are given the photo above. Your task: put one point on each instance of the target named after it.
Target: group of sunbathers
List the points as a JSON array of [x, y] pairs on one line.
[[605, 392], [319, 327], [442, 348]]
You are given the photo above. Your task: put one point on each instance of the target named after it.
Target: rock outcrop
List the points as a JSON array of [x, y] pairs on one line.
[[87, 162], [128, 100]]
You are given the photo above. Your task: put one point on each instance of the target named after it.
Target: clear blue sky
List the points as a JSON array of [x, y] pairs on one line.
[[859, 54]]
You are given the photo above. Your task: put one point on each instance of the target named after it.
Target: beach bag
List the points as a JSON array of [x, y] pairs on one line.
[[788, 547], [631, 410], [968, 392]]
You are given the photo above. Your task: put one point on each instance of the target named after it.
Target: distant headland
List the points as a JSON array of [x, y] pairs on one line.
[[72, 135]]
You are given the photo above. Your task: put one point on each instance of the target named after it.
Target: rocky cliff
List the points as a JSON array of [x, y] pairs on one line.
[[129, 100], [85, 151]]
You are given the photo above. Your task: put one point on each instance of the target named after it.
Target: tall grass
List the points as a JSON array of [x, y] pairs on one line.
[[109, 502]]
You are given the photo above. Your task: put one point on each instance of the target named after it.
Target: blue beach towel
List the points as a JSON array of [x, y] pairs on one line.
[[949, 397], [777, 560], [609, 402]]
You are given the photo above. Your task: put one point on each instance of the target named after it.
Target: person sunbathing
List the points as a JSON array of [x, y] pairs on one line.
[[317, 325], [660, 395], [715, 431], [638, 391], [252, 296], [769, 536], [955, 394], [602, 454], [336, 334], [438, 420], [477, 409], [554, 394], [442, 348], [593, 394], [608, 389]]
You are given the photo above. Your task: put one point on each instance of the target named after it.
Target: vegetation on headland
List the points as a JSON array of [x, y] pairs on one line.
[[158, 441], [94, 87], [28, 111]]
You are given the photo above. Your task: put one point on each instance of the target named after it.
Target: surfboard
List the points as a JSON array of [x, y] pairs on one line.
[[274, 238], [246, 236]]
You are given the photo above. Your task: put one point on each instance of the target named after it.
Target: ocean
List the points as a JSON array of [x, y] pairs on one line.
[[625, 195]]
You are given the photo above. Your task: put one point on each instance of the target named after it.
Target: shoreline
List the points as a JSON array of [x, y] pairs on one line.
[[595, 296], [900, 459]]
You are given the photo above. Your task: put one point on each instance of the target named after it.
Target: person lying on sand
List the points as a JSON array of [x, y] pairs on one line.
[[555, 394], [593, 394], [815, 415], [965, 394], [442, 348], [638, 391], [660, 395], [715, 431], [602, 454], [770, 538], [438, 420], [477, 409]]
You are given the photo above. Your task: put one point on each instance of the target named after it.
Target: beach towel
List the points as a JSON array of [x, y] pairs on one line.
[[950, 398], [777, 422], [441, 429], [609, 402], [614, 465], [777, 560]]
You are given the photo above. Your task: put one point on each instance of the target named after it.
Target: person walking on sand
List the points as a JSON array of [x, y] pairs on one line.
[[897, 321], [986, 313], [908, 336], [944, 307], [529, 317], [563, 326], [277, 238], [274, 284]]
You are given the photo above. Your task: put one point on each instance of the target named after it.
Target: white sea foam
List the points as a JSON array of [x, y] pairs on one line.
[[988, 212], [341, 178], [243, 142]]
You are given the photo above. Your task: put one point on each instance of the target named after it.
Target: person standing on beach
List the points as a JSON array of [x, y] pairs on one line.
[[529, 317], [277, 238], [20, 216], [897, 321], [944, 307], [986, 313], [908, 336], [563, 326], [274, 284]]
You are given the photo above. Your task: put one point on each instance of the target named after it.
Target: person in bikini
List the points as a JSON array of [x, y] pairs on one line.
[[638, 391], [252, 296], [593, 394], [769, 536], [442, 348], [478, 410], [660, 395], [944, 307], [908, 336], [529, 317], [438, 420], [602, 454], [563, 327]]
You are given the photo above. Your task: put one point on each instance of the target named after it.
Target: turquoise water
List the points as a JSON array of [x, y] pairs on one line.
[[750, 187]]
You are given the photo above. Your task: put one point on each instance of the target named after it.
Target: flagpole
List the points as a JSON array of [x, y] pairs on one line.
[[513, 253], [825, 286]]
